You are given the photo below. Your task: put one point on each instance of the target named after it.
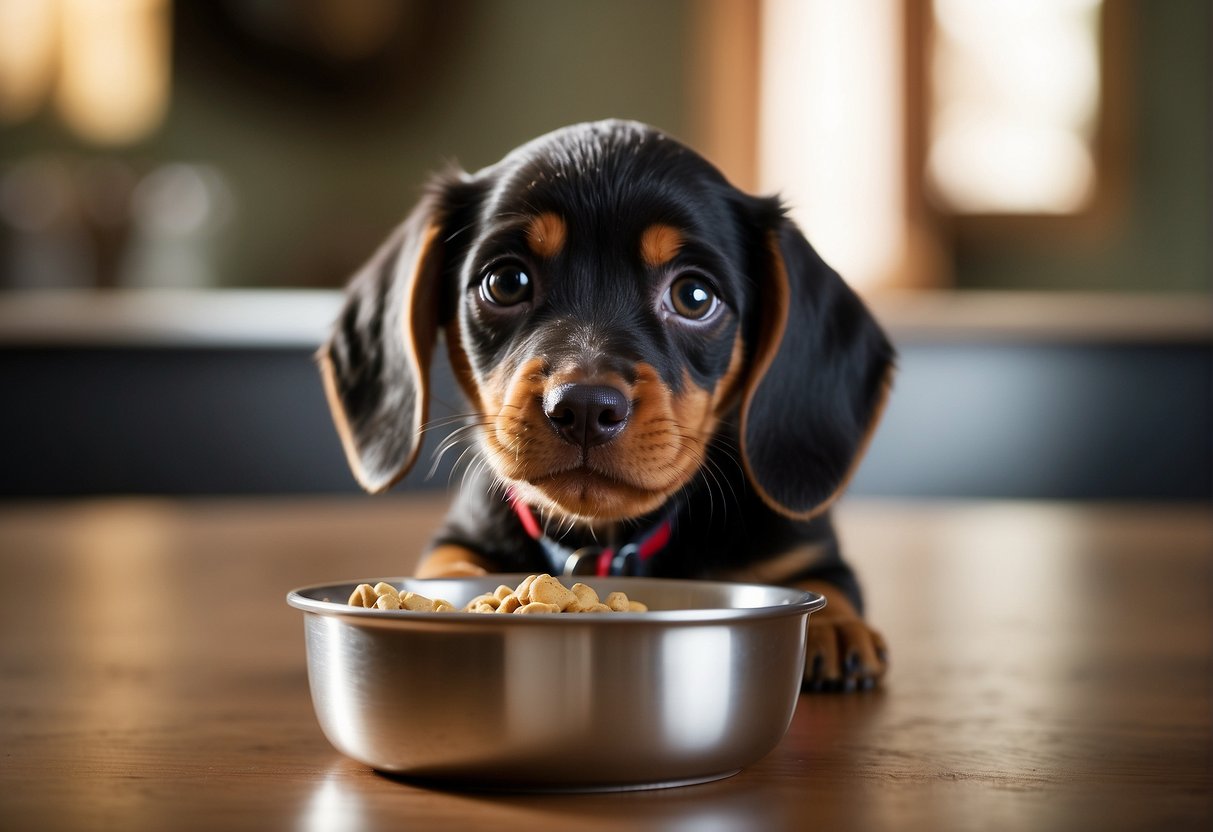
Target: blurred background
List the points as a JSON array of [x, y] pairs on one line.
[[1020, 190]]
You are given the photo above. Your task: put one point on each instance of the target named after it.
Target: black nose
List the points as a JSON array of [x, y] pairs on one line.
[[587, 414]]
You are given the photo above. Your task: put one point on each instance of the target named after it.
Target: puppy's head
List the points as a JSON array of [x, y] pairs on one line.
[[608, 299]]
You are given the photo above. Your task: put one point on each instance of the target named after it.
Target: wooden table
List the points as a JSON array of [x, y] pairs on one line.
[[1051, 671]]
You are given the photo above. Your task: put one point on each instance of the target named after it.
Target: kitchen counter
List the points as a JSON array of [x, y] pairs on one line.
[[1050, 670], [1000, 395]]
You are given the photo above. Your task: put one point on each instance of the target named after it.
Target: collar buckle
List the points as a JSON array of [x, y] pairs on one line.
[[583, 561], [627, 561]]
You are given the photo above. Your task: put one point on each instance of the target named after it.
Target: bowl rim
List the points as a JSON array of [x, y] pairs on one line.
[[800, 602]]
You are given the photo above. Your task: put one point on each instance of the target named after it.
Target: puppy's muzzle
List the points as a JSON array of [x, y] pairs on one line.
[[586, 415]]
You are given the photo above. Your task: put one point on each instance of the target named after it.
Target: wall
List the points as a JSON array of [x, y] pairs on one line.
[[1159, 239], [319, 179]]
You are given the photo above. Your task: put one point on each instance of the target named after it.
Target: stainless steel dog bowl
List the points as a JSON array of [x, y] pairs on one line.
[[700, 686]]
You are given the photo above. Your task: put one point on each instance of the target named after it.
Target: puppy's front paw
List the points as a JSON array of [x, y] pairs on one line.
[[455, 570], [842, 653], [452, 562]]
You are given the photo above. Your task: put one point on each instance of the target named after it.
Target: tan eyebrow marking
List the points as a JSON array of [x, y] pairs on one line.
[[659, 243], [546, 234]]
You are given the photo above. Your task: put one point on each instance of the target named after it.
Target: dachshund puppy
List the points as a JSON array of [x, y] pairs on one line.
[[665, 377]]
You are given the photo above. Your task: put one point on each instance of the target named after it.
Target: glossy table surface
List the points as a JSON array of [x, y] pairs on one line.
[[1051, 670]]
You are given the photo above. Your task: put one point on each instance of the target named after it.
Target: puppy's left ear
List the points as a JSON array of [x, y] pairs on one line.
[[820, 373]]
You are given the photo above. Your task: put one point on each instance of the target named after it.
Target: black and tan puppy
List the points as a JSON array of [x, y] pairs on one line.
[[665, 377]]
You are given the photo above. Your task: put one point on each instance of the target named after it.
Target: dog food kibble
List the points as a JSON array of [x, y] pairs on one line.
[[536, 594], [537, 606], [384, 596]]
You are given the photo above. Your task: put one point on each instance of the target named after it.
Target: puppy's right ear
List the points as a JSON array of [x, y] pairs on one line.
[[375, 364]]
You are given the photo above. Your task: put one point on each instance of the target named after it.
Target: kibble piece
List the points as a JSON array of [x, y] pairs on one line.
[[547, 590], [509, 603], [535, 594], [363, 596], [617, 601], [491, 600], [586, 597], [387, 601], [524, 589], [537, 607], [416, 603]]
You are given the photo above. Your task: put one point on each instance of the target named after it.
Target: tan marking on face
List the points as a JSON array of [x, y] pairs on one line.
[[508, 400], [692, 410], [730, 383], [461, 366], [656, 454], [546, 234], [659, 243]]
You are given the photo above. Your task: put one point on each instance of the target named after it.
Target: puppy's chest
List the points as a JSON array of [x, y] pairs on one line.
[[689, 541]]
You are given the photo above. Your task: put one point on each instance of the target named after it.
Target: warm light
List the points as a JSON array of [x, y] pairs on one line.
[[114, 75], [1015, 91], [27, 54], [831, 137]]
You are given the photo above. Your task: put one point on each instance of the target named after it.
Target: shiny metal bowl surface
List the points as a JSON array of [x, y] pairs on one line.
[[700, 686]]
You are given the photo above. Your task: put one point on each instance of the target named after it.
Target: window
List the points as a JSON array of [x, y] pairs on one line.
[[893, 129]]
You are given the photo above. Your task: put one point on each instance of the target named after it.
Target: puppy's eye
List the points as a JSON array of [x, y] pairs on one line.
[[692, 298], [506, 286]]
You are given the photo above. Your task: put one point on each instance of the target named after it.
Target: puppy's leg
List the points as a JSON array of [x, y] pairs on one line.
[[451, 561], [842, 652]]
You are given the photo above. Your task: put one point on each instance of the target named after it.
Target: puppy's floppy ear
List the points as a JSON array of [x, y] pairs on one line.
[[819, 376], [375, 364]]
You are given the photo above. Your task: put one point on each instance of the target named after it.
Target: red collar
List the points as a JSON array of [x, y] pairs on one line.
[[634, 558]]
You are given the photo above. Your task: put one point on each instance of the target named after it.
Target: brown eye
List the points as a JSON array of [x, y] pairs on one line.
[[692, 298], [506, 286]]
